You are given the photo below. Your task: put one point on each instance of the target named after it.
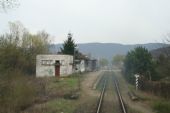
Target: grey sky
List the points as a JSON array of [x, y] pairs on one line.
[[117, 21]]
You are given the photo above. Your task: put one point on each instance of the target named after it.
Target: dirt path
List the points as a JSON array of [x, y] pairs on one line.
[[88, 82], [87, 100]]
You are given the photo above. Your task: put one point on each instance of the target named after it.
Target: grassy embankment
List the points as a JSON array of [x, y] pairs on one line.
[[61, 94], [158, 104], [23, 94]]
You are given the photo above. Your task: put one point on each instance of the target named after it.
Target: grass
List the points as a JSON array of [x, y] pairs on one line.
[[56, 91], [130, 110], [70, 82], [57, 105], [62, 86], [158, 104], [162, 106], [20, 93], [17, 92], [60, 106], [142, 96]]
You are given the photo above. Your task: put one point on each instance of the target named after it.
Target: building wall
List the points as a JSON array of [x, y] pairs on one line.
[[80, 66], [45, 65], [91, 65]]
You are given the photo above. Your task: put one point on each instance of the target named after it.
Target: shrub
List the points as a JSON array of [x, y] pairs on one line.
[[17, 92], [162, 106]]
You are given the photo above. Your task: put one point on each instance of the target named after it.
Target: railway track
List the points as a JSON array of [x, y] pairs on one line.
[[101, 97], [101, 100], [122, 105]]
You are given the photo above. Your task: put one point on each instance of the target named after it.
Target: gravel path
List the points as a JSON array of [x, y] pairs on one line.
[[87, 100]]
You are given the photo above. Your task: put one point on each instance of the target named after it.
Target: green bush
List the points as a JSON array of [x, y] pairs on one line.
[[162, 106]]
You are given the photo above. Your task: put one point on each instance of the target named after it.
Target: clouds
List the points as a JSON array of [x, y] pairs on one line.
[[123, 21]]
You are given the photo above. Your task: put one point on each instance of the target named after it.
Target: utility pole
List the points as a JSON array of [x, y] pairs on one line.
[[74, 58]]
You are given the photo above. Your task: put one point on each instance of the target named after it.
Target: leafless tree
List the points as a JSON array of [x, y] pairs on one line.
[[8, 4]]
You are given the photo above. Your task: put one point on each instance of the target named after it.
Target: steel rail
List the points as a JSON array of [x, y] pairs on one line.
[[101, 98], [120, 98]]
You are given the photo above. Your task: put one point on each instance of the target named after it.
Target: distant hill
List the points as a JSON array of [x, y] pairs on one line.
[[157, 52], [107, 50]]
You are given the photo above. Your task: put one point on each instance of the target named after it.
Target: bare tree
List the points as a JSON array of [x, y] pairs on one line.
[[8, 4]]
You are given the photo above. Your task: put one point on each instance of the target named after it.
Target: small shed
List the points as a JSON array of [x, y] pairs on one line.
[[91, 65], [54, 65]]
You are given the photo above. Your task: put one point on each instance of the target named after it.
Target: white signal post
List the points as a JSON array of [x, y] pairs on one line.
[[137, 83]]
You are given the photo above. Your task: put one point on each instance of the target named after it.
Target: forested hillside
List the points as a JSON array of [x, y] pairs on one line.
[[107, 50]]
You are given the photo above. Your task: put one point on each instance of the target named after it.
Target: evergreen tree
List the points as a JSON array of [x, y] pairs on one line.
[[68, 46], [139, 61]]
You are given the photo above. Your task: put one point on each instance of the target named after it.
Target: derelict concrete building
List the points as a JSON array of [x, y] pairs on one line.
[[54, 65]]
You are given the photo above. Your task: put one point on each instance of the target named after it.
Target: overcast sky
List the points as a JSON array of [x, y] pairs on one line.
[[111, 21]]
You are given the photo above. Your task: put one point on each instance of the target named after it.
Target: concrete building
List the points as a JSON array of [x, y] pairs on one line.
[[80, 66], [87, 65], [91, 65], [54, 65]]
